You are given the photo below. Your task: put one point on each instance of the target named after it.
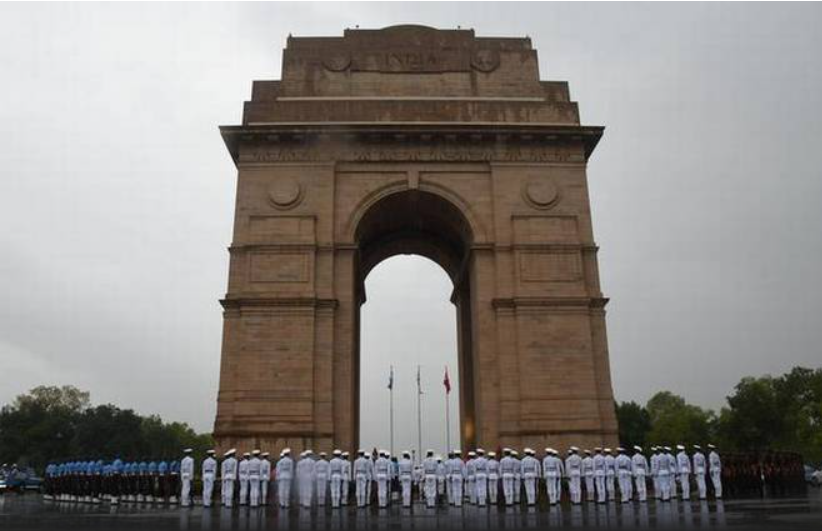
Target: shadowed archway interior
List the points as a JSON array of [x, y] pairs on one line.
[[422, 223]]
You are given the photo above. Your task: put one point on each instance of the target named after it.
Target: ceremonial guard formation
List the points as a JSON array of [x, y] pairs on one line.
[[378, 479]]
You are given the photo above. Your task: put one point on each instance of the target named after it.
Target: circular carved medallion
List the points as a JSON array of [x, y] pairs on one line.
[[285, 194], [541, 192], [337, 62], [485, 60]]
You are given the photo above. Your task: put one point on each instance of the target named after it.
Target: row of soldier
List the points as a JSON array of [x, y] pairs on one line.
[[481, 479]]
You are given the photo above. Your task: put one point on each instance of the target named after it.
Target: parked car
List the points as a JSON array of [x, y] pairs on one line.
[[816, 478], [20, 480]]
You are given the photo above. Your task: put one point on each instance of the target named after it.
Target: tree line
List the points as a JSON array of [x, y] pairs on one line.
[[60, 423], [782, 413]]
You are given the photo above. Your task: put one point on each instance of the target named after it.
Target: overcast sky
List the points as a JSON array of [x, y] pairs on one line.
[[116, 197]]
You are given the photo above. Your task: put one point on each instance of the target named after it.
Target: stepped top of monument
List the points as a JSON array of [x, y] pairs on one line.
[[410, 74]]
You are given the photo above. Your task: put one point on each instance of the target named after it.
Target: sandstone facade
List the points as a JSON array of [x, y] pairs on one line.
[[410, 139]]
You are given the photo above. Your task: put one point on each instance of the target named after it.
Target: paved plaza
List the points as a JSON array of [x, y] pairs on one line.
[[30, 512]]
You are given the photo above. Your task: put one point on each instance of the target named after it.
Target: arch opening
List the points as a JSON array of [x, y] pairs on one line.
[[416, 222]]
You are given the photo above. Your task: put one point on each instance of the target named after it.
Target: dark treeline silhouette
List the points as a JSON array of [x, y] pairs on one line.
[[58, 423]]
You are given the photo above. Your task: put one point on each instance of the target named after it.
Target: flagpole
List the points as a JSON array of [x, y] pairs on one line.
[[391, 400], [447, 417], [419, 414]]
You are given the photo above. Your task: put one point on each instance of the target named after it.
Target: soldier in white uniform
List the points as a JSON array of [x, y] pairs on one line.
[[335, 474], [481, 478], [345, 489], [588, 474], [600, 472], [573, 470], [715, 470], [308, 478], [700, 469], [654, 466], [672, 470], [442, 478], [610, 474], [507, 467], [639, 466], [284, 475], [382, 473], [406, 472], [456, 474], [683, 464], [624, 469], [186, 477], [517, 476], [471, 477], [362, 475], [552, 470], [493, 478], [254, 479], [265, 477], [242, 474], [228, 473], [663, 472], [322, 476], [429, 470], [209, 468]]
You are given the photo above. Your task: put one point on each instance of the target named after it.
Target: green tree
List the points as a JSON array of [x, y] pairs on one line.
[[674, 421], [634, 424]]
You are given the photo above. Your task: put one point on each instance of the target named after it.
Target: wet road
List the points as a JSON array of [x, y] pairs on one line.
[[30, 512]]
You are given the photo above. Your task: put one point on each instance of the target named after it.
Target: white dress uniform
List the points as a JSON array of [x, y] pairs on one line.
[[242, 474], [186, 477], [600, 471], [456, 474], [209, 468], [471, 478], [305, 479], [552, 471], [573, 470], [254, 480], [507, 467], [493, 479], [228, 472], [530, 473], [588, 474], [335, 471], [654, 464], [346, 478], [442, 478], [663, 474], [481, 479], [700, 469], [265, 478], [715, 469], [683, 464], [406, 471], [624, 469], [284, 475], [322, 477], [517, 477], [672, 471], [610, 475], [639, 467], [429, 470], [382, 473], [362, 475]]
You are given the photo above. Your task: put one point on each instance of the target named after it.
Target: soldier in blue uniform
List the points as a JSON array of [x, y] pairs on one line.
[[163, 483], [174, 480]]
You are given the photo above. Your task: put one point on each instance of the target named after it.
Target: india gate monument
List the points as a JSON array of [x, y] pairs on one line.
[[413, 140]]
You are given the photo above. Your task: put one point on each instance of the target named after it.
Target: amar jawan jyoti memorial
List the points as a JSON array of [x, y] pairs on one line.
[[403, 140]]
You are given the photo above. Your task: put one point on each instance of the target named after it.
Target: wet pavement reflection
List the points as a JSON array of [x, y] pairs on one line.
[[30, 512]]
